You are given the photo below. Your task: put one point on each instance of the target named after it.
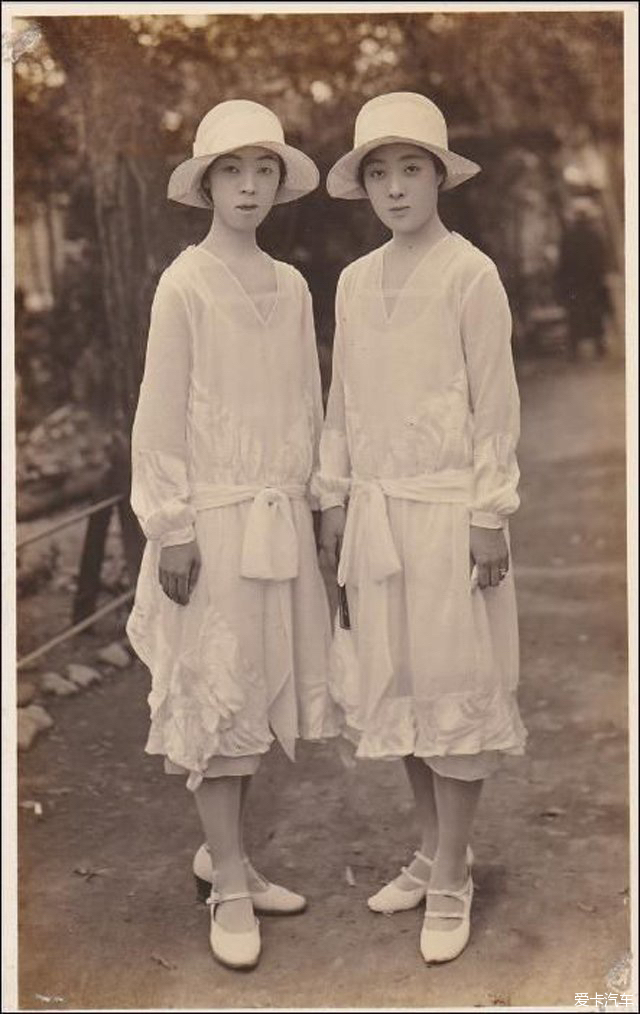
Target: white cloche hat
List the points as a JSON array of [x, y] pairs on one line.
[[234, 124], [390, 119]]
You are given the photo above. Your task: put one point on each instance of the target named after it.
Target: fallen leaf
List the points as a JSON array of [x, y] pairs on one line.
[[162, 961], [88, 873], [351, 880], [585, 908]]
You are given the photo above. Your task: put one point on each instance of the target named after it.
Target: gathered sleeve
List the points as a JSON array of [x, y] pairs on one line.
[[495, 404], [160, 494], [332, 481]]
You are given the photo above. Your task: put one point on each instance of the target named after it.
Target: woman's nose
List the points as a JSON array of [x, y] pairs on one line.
[[248, 183], [395, 185]]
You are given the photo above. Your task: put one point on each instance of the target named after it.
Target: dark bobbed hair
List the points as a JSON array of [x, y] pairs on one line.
[[204, 183]]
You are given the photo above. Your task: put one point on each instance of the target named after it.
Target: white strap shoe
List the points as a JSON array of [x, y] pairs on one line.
[[392, 898], [437, 944], [267, 898], [234, 950]]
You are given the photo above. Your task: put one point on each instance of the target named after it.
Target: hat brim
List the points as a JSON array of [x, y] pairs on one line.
[[342, 180], [302, 176]]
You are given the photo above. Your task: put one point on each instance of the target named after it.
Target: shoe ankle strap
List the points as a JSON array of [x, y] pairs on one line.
[[215, 898], [460, 894], [419, 881], [424, 859]]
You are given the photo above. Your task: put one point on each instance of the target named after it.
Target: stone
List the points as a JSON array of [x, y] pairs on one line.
[[25, 692], [53, 683], [115, 654], [27, 730], [31, 721], [83, 675], [41, 718]]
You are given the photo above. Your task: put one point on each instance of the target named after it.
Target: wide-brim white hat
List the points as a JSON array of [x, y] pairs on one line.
[[395, 118], [235, 124]]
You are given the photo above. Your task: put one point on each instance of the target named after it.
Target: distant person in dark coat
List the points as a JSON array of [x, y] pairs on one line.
[[581, 277]]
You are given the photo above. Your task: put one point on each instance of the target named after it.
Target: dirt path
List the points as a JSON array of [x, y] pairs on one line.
[[551, 917]]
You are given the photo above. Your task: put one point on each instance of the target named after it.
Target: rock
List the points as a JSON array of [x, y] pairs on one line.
[[31, 721], [39, 716], [52, 683], [25, 692], [27, 730], [83, 675], [116, 655], [59, 415]]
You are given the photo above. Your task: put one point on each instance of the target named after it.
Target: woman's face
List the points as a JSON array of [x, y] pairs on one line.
[[402, 181], [243, 186]]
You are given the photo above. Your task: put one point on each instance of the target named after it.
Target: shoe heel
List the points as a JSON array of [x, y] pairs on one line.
[[203, 888]]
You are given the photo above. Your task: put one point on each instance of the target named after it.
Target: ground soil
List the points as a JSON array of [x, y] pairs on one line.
[[108, 912]]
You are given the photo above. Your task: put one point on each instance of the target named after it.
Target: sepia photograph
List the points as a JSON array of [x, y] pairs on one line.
[[319, 506]]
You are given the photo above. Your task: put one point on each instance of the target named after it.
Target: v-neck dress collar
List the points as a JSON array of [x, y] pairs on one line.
[[388, 314], [263, 318]]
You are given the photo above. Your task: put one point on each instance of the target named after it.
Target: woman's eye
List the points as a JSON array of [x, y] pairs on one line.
[[230, 168], [375, 174], [412, 169], [266, 170]]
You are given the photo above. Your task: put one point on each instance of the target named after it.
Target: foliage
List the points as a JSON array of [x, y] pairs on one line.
[[102, 93]]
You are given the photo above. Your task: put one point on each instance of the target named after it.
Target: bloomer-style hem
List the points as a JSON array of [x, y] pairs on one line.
[[471, 768], [368, 747], [220, 767]]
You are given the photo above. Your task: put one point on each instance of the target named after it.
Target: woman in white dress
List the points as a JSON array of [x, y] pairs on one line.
[[420, 437], [230, 613]]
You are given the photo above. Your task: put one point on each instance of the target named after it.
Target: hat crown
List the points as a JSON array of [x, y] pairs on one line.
[[401, 114], [236, 124]]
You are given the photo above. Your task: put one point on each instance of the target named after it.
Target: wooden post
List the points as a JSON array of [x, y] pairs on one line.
[[132, 536], [95, 540]]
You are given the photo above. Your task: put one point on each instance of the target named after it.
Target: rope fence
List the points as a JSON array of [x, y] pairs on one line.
[[98, 516]]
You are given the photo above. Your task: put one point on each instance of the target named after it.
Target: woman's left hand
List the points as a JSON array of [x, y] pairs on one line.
[[490, 553]]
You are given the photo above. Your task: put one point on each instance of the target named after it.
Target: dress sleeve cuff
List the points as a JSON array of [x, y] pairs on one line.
[[180, 537], [485, 519]]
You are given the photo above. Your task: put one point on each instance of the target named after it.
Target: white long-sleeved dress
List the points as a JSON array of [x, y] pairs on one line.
[[224, 443], [420, 435]]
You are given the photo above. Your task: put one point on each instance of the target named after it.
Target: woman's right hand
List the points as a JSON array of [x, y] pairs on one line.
[[331, 534], [178, 571]]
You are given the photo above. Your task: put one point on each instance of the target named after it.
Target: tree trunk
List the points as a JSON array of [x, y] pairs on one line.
[[116, 115]]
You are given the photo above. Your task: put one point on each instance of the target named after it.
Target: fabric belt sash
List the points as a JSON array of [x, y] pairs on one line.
[[368, 551], [270, 546]]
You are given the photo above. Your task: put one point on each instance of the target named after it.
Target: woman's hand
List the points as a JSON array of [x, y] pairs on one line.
[[490, 553], [178, 571], [331, 532]]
